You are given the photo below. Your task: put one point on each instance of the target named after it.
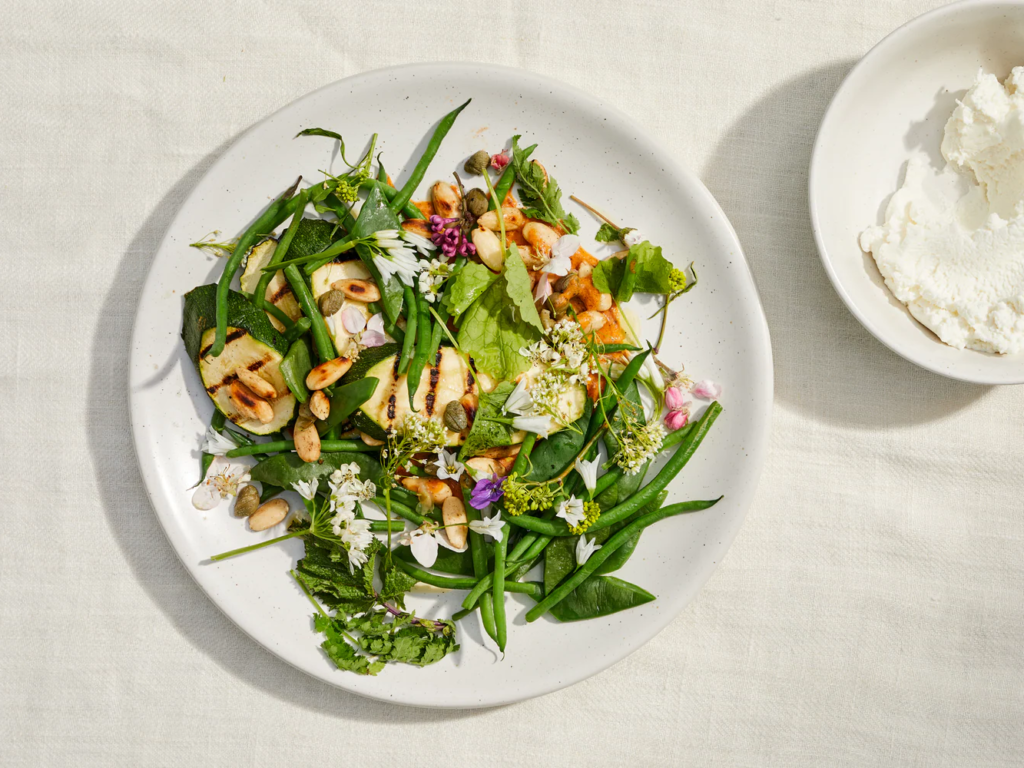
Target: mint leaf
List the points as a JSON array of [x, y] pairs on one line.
[[653, 271], [542, 198], [486, 433], [467, 287]]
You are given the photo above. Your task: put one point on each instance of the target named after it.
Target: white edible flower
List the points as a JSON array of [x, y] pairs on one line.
[[342, 518], [633, 237], [217, 443], [424, 542], [374, 335], [585, 548], [356, 559], [306, 489], [638, 445], [588, 471], [448, 467], [571, 510], [489, 526], [357, 536], [393, 256], [542, 426], [352, 320], [220, 483], [565, 248], [421, 244], [519, 401]]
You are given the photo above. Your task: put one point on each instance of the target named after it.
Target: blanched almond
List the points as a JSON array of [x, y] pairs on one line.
[[540, 236], [268, 515], [445, 200], [358, 290], [513, 218], [319, 405], [373, 442], [327, 373], [250, 405], [453, 513], [307, 443], [428, 488], [488, 248], [591, 321], [256, 383]]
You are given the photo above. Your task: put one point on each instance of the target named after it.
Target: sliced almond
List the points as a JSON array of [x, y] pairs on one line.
[[446, 200], [268, 515], [453, 512], [327, 373], [249, 404], [319, 405], [256, 383], [358, 290]]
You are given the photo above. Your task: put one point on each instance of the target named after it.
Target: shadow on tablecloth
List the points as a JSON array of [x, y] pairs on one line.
[[827, 366], [134, 525]]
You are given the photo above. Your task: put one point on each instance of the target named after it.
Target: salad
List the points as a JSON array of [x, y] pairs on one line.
[[455, 389]]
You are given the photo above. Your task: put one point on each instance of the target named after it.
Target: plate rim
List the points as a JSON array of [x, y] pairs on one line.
[[909, 354], [763, 394]]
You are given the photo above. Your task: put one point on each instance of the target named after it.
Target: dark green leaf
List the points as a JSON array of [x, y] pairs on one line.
[[559, 561], [467, 287], [600, 596], [345, 400], [552, 456], [486, 433], [286, 469], [653, 271], [542, 199], [607, 233]]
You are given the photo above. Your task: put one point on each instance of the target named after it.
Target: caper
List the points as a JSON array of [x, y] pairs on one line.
[[477, 163], [476, 202], [248, 501], [562, 283], [331, 302], [455, 416]]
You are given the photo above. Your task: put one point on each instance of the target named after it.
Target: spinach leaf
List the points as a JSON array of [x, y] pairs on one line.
[[373, 217], [600, 596], [285, 469], [542, 198], [551, 456], [467, 287], [294, 368], [559, 561], [501, 322], [345, 400], [485, 433], [653, 272]]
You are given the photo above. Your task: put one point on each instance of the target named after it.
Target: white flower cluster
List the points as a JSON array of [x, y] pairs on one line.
[[639, 444], [563, 349], [395, 254], [432, 278], [421, 435], [346, 489]]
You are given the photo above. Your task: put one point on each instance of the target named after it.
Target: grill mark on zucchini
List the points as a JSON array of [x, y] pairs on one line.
[[283, 291], [392, 402], [233, 336], [435, 379]]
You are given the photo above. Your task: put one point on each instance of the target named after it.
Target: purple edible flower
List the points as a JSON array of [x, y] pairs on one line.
[[486, 491], [449, 239]]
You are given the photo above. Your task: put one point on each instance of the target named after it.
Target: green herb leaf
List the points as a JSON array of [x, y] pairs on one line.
[[286, 469], [542, 199], [486, 433], [600, 596], [606, 233], [471, 282], [373, 217], [653, 272]]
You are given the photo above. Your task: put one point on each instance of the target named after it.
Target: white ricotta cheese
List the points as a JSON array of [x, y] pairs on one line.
[[958, 264]]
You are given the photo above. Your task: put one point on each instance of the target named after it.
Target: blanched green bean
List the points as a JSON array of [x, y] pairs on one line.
[[420, 170], [277, 446]]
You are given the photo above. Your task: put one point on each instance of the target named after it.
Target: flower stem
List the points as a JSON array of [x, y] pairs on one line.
[[594, 211], [261, 545]]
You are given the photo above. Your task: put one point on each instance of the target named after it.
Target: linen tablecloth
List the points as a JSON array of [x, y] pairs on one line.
[[869, 612]]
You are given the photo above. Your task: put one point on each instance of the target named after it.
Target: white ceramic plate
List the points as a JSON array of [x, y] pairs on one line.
[[893, 103], [719, 331]]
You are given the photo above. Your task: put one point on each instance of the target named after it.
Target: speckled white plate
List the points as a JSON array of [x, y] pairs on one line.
[[718, 331], [895, 103]]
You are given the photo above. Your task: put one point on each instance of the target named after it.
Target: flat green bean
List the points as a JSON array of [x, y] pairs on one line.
[[420, 170]]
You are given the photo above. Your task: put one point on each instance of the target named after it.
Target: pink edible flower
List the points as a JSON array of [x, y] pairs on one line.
[[500, 160], [677, 419], [707, 390], [543, 289], [678, 403]]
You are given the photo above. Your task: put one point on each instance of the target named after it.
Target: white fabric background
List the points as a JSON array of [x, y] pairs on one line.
[[869, 612]]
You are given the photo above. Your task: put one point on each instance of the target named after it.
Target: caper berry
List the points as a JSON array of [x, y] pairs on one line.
[[477, 163], [248, 501], [331, 302], [562, 283], [455, 416], [476, 202]]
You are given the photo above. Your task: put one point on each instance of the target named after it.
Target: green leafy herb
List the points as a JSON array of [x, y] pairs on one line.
[[608, 234], [373, 217], [467, 287], [501, 322], [487, 433], [542, 198], [286, 469], [654, 273]]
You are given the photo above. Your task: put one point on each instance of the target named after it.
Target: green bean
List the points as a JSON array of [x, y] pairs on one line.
[[276, 212], [277, 446], [418, 172], [479, 556], [381, 526], [401, 510], [562, 591], [687, 446], [419, 359], [411, 323], [327, 255], [508, 177], [322, 339], [281, 317], [299, 328], [259, 296], [409, 210], [463, 582], [500, 625]]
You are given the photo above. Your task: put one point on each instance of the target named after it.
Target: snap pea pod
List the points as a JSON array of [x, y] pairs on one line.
[[687, 446], [508, 177], [345, 400], [382, 175], [321, 338], [418, 172], [464, 582], [625, 292], [563, 590], [411, 323], [409, 210], [276, 212], [419, 359], [299, 328], [279, 446], [295, 367], [259, 296]]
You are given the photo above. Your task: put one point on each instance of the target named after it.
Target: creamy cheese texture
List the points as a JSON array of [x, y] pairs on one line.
[[952, 244]]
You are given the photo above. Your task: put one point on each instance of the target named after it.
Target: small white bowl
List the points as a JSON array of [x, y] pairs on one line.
[[893, 103]]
